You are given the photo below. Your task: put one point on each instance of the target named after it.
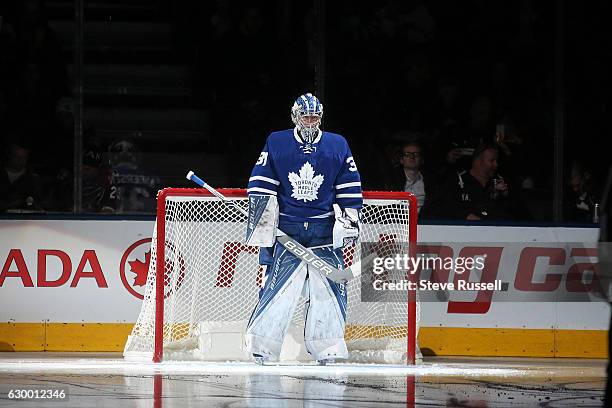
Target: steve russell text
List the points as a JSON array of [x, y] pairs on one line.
[[428, 285]]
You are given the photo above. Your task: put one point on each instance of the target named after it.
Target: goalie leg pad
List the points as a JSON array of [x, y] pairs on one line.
[[326, 313], [271, 318]]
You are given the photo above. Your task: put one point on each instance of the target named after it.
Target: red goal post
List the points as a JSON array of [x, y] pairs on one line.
[[200, 271]]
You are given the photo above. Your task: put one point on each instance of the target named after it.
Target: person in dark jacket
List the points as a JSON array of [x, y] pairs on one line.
[[20, 187], [410, 176], [479, 193]]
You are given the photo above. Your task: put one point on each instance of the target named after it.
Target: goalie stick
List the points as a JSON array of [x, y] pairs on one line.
[[297, 249]]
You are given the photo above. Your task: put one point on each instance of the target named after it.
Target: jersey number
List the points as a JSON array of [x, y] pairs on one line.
[[351, 162], [263, 159]]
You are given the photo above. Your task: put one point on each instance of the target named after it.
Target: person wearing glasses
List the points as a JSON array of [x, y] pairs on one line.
[[409, 176]]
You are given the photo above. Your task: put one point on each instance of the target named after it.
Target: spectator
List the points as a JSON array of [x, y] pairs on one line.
[[20, 187], [580, 203], [477, 194], [96, 186], [409, 176], [99, 194], [135, 186]]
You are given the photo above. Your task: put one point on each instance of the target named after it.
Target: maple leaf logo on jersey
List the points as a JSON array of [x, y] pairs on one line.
[[306, 184], [141, 269]]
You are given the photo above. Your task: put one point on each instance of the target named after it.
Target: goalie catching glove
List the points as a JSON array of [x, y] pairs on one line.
[[346, 227]]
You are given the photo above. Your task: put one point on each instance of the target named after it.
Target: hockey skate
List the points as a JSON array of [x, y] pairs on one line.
[[325, 361]]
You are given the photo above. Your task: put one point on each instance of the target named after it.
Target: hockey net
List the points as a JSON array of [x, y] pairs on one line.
[[212, 279]]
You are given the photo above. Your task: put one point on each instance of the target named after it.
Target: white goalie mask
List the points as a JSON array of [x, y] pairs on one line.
[[306, 114]]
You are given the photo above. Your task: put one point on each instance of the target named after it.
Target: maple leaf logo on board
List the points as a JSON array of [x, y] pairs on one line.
[[175, 263], [306, 185], [141, 269]]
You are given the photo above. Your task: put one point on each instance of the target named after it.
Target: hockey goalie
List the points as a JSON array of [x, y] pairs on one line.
[[306, 184]]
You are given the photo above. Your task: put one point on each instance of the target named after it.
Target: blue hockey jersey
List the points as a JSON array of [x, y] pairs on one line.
[[307, 178]]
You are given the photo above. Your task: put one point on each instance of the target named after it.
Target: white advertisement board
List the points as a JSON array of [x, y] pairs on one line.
[[95, 271]]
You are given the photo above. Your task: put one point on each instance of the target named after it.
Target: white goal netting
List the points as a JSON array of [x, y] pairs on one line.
[[212, 280]]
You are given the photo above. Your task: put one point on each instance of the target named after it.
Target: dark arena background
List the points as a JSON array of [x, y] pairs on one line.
[[494, 116]]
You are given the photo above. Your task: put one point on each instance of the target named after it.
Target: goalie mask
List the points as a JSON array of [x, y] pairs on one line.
[[306, 114]]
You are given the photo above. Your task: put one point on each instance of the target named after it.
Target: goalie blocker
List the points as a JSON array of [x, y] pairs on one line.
[[262, 222]]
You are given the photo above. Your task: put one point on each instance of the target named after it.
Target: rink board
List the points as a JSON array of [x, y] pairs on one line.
[[69, 285]]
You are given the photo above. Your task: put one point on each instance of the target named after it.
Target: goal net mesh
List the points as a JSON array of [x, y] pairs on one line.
[[212, 276]]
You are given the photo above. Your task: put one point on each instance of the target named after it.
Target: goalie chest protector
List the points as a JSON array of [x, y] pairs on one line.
[[307, 178]]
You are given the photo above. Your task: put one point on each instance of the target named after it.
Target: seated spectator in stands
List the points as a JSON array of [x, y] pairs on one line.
[[99, 194], [479, 193], [136, 187], [409, 175], [581, 198], [20, 187]]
